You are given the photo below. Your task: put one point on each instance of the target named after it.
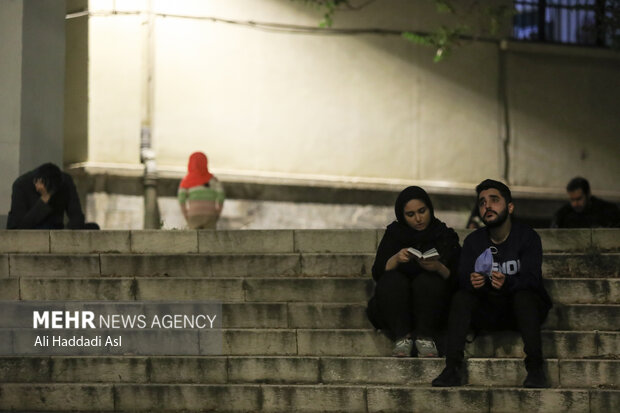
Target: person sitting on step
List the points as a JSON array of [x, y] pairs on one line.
[[584, 210], [412, 294], [200, 194], [40, 199], [500, 286]]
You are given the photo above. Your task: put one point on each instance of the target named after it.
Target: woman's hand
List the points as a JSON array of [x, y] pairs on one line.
[[400, 257], [434, 266], [429, 265]]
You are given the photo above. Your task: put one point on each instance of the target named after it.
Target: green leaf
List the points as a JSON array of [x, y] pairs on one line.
[[425, 40], [444, 6]]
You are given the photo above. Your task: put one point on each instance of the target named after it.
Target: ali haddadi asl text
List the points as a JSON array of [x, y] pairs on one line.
[[75, 341]]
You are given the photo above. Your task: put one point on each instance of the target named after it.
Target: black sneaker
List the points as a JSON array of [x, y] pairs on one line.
[[536, 379], [449, 377]]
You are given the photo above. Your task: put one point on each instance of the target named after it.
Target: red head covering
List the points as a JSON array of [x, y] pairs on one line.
[[197, 171]]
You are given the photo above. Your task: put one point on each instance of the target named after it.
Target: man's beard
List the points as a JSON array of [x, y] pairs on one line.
[[501, 218]]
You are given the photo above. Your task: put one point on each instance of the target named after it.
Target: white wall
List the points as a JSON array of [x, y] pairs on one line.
[[114, 89], [565, 121], [365, 108]]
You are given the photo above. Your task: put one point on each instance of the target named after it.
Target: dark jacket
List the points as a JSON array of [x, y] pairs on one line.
[[397, 236], [599, 213], [28, 211]]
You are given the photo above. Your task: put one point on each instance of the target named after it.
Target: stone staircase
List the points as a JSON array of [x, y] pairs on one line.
[[294, 333]]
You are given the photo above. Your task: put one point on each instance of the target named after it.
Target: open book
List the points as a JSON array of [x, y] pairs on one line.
[[432, 253]]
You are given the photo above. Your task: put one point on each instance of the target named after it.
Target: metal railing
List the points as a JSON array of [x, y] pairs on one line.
[[583, 22]]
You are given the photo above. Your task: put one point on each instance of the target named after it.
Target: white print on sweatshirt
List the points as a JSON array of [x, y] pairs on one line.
[[508, 268]]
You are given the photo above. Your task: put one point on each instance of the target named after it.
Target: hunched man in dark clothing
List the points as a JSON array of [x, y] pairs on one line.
[[585, 210], [40, 199], [512, 296]]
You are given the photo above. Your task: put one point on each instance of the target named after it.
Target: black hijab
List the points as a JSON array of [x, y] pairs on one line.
[[399, 235], [410, 236]]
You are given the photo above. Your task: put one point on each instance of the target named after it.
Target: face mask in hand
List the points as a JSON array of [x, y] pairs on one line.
[[484, 263]]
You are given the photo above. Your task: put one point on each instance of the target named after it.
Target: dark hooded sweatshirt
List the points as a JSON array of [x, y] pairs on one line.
[[519, 258]]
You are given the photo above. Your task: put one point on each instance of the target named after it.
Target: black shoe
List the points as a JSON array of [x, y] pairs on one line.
[[536, 379], [449, 377]]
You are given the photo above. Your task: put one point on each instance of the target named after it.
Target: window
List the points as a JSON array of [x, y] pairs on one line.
[[583, 22]]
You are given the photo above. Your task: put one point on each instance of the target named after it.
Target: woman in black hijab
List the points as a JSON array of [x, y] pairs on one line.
[[412, 294]]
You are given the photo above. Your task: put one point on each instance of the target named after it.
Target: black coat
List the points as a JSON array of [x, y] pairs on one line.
[[599, 213], [398, 236], [28, 211]]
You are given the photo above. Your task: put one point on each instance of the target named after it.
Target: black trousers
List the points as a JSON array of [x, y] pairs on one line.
[[524, 311], [404, 304]]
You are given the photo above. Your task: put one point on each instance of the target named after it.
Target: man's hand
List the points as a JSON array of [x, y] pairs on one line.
[[497, 279], [41, 189], [477, 280]]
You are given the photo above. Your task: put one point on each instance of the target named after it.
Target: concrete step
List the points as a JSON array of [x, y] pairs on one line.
[[293, 341], [335, 315], [498, 372], [581, 317], [257, 265], [577, 265], [298, 398], [342, 290], [318, 342], [257, 241], [556, 344]]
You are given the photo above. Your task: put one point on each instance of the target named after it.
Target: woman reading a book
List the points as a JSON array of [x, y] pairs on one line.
[[414, 271]]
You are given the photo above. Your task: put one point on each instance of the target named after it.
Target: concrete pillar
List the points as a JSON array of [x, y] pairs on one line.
[[32, 46], [76, 84]]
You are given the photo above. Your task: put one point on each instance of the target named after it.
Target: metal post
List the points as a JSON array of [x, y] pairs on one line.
[[542, 18], [503, 98], [147, 154], [600, 10]]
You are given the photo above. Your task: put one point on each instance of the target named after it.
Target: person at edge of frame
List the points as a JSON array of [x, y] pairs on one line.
[[584, 210], [40, 198]]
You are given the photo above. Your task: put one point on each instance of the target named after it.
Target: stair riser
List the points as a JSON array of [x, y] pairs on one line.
[[341, 290], [495, 400], [255, 265], [360, 343], [501, 344], [297, 370], [190, 398], [345, 316], [257, 241]]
